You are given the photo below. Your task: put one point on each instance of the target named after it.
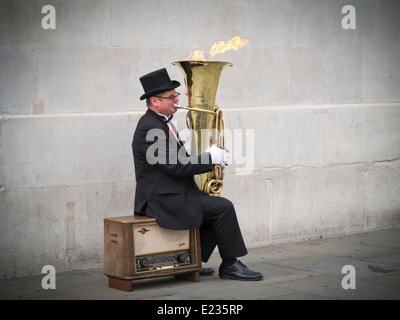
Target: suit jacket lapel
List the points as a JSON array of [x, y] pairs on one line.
[[159, 118]]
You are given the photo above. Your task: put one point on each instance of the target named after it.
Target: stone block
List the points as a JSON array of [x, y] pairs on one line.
[[310, 202], [66, 150], [382, 195], [380, 80], [18, 79], [77, 23], [61, 226], [318, 135]]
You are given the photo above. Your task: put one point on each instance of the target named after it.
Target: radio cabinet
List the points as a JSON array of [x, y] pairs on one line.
[[136, 247]]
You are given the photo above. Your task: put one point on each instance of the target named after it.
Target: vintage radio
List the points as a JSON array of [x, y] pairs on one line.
[[136, 247]]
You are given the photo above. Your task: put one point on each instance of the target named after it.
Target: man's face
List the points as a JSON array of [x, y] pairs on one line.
[[164, 102]]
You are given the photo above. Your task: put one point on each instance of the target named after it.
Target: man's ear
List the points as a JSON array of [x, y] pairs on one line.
[[153, 101]]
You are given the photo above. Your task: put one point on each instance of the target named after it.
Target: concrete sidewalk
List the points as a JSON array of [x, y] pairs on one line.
[[310, 270]]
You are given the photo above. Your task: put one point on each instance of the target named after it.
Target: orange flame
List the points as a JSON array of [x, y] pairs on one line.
[[198, 55], [217, 48], [235, 43]]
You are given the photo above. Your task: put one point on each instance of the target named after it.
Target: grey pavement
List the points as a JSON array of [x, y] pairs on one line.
[[308, 270]]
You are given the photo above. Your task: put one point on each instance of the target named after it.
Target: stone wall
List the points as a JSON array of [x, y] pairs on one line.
[[312, 110]]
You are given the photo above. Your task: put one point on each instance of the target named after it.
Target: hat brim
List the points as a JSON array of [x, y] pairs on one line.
[[174, 84]]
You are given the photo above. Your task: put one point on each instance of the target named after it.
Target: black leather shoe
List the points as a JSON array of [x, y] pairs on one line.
[[206, 272], [238, 271]]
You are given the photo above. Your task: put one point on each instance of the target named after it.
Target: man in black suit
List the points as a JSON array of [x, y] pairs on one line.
[[165, 187]]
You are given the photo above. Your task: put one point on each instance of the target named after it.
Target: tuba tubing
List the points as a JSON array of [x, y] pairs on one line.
[[178, 106], [214, 182]]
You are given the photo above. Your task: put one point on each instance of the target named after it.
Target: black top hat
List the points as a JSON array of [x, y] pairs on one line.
[[157, 82]]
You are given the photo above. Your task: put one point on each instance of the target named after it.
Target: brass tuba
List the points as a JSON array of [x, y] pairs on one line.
[[204, 118]]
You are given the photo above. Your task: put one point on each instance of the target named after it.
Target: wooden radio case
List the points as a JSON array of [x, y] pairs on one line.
[[136, 247]]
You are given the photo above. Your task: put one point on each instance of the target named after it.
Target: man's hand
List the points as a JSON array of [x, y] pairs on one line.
[[218, 156]]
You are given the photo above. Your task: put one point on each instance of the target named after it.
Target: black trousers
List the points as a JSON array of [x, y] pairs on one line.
[[220, 228]]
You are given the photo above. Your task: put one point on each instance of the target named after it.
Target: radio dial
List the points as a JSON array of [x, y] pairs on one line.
[[144, 263], [183, 258]]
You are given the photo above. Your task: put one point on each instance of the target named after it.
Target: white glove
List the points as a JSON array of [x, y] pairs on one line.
[[218, 156]]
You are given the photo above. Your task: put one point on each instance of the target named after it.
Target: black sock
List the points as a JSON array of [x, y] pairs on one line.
[[228, 262]]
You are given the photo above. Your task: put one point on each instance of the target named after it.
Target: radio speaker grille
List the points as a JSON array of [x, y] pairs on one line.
[[151, 239]]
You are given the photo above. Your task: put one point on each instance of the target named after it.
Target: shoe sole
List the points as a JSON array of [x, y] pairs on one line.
[[240, 279], [206, 274]]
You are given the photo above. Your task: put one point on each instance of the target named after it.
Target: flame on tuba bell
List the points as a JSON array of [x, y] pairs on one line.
[[204, 117]]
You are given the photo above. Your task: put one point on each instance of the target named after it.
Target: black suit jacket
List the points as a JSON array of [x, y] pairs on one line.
[[165, 188]]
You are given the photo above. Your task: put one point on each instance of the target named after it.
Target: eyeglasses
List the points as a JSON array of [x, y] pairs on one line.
[[176, 95]]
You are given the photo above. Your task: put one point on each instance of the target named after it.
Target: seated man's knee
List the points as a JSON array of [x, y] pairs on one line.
[[227, 206]]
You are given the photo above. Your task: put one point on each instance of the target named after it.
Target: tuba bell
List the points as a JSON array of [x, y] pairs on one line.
[[204, 117]]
